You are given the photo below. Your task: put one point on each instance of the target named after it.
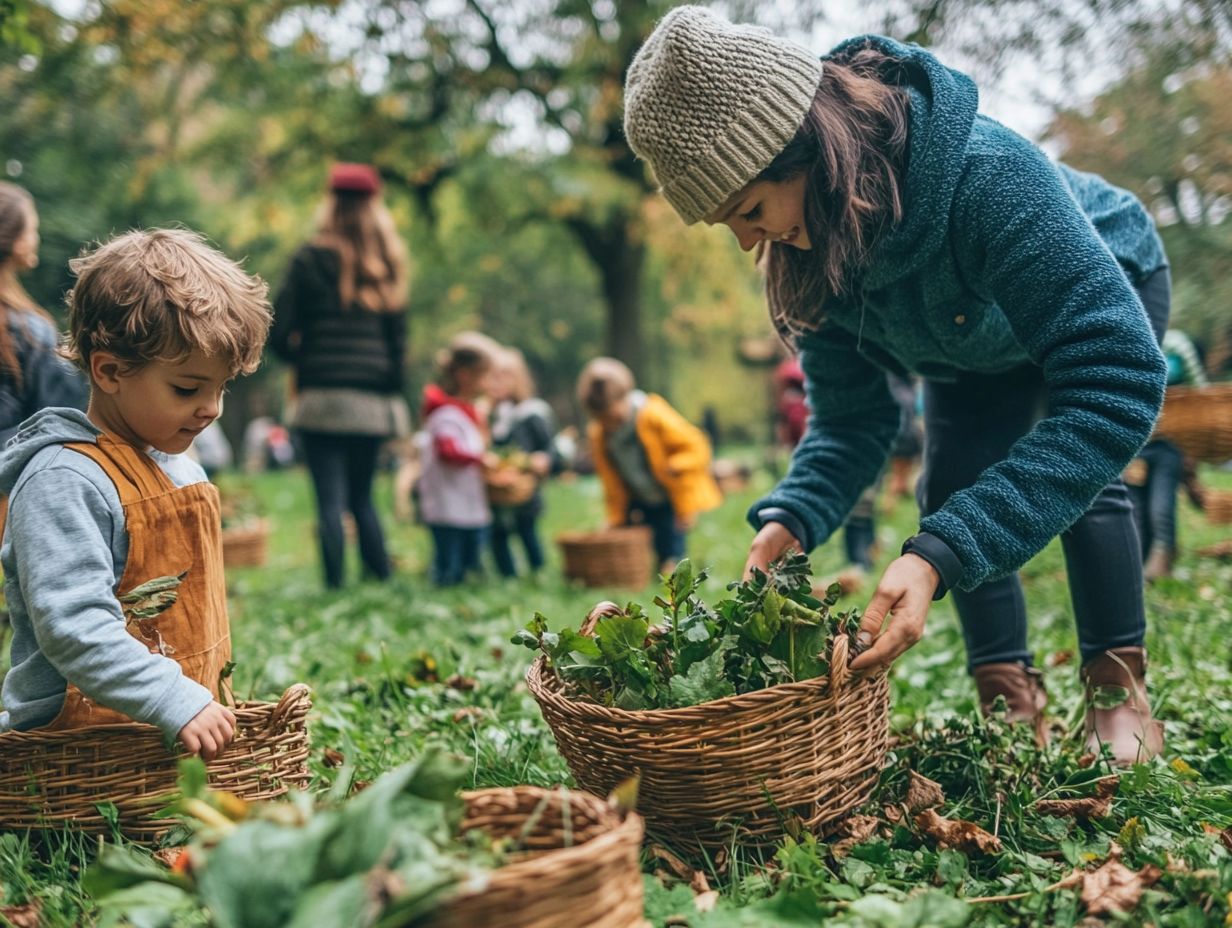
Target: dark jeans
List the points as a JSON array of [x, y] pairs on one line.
[[521, 521], [456, 551], [668, 539], [969, 426], [342, 468], [1155, 501]]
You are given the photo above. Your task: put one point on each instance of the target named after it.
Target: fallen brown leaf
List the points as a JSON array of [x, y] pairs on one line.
[[922, 793], [459, 682], [699, 884], [23, 916], [170, 856], [1086, 760], [467, 713], [856, 830], [893, 814], [956, 833], [1086, 807], [334, 758], [705, 902], [1116, 888], [1059, 658], [678, 867]]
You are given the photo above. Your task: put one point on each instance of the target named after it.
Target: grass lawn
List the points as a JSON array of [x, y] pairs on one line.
[[376, 656]]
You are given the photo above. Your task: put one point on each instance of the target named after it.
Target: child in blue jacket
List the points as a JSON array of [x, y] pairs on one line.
[[901, 231]]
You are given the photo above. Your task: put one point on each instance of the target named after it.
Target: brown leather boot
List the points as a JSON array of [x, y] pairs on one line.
[[1023, 689], [1127, 726]]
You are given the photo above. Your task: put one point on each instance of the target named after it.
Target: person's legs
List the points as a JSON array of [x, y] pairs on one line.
[[448, 555], [327, 465], [669, 541], [501, 552], [526, 520], [361, 460], [1156, 502], [470, 543], [969, 426], [860, 532]]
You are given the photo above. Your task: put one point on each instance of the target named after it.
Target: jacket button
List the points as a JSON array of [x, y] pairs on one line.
[[960, 319]]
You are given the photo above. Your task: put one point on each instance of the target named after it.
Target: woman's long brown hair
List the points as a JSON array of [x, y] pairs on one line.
[[853, 145], [16, 207], [372, 259]]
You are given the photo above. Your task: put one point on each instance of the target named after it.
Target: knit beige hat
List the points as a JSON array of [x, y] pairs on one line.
[[710, 104]]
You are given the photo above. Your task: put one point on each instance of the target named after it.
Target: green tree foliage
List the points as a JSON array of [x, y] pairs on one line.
[[1164, 131]]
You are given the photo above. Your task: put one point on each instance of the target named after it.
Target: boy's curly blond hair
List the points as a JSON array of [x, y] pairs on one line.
[[160, 294], [603, 383]]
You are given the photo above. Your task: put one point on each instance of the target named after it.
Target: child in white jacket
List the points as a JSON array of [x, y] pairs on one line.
[[453, 499]]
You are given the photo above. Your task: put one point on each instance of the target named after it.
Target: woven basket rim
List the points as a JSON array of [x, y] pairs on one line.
[[539, 680], [294, 695], [601, 536], [254, 527], [631, 824]]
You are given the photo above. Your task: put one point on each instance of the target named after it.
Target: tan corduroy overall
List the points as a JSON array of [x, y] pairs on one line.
[[170, 530]]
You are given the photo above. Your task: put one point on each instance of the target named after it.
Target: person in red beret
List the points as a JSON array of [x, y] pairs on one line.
[[340, 322]]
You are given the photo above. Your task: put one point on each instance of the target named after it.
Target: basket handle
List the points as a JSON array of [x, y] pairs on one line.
[[600, 611], [840, 673], [294, 695]]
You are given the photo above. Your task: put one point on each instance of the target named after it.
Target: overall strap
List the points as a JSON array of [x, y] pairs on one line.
[[135, 474]]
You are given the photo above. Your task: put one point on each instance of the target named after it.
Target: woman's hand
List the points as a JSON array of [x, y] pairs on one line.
[[540, 463], [770, 543], [906, 590]]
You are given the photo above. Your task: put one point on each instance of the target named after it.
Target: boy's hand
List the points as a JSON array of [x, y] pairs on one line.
[[540, 463], [209, 732]]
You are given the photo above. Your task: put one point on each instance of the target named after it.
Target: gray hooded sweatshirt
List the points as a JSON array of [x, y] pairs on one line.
[[63, 553]]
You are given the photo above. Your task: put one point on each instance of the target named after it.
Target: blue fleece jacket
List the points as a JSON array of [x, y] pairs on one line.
[[64, 550], [1002, 258]]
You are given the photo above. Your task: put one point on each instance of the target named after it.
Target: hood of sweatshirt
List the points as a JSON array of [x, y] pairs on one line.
[[943, 109], [54, 426], [434, 398]]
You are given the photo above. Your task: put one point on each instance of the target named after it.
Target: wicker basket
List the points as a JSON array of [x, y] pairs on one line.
[[731, 476], [246, 545], [619, 557], [1217, 506], [584, 873], [53, 779], [809, 751], [1198, 420], [514, 487]]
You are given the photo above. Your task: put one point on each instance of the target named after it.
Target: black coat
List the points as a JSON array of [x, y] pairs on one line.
[[330, 346], [46, 378]]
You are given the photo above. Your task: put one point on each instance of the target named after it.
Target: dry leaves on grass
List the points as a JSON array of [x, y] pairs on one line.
[[23, 916], [957, 834], [1086, 807], [704, 898], [334, 758], [1116, 888], [922, 793], [1225, 834], [461, 683], [856, 830]]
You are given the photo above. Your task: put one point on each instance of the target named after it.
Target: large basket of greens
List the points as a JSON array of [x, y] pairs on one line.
[[742, 718], [512, 482], [409, 851], [1198, 420], [619, 557], [120, 776]]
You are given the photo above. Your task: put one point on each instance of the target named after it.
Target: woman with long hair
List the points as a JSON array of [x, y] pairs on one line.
[[903, 232], [340, 321], [32, 375]]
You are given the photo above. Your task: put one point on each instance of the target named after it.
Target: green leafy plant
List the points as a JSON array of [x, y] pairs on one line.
[[387, 856], [771, 630]]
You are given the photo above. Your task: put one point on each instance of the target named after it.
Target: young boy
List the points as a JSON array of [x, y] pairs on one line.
[[653, 464], [104, 501]]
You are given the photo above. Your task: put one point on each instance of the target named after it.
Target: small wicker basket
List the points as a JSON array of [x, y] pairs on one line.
[[246, 545], [581, 866], [510, 487], [809, 751], [617, 557], [1198, 420], [1217, 506], [56, 779], [731, 476]]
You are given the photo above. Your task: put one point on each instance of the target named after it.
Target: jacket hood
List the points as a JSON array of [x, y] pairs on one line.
[[943, 109], [54, 426], [435, 398]]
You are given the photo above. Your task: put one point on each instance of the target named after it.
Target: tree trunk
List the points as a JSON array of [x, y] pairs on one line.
[[619, 255]]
